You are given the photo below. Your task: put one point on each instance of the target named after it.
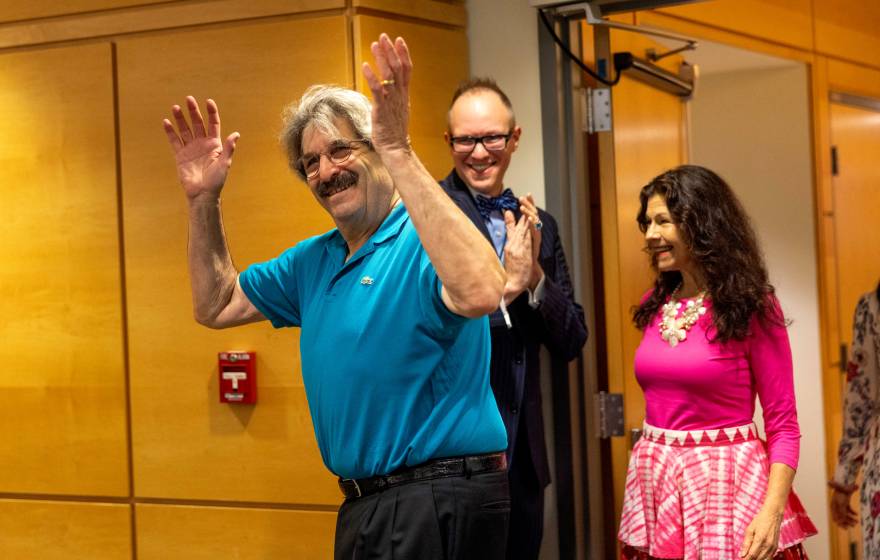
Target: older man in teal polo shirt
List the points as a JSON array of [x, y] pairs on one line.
[[392, 305]]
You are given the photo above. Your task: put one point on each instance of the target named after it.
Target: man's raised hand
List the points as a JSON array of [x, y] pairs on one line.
[[389, 84], [202, 158]]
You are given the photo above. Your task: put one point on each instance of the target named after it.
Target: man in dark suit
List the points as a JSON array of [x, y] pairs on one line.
[[539, 306]]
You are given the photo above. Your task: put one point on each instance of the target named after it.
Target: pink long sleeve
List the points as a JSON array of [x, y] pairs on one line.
[[770, 360], [710, 385]]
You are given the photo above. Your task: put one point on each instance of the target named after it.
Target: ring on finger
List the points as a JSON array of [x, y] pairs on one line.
[[538, 225], [387, 82]]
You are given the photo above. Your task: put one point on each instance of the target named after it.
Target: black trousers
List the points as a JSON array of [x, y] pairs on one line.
[[526, 504], [444, 519]]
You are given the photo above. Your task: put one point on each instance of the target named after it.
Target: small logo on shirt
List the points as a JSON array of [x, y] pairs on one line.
[[367, 281]]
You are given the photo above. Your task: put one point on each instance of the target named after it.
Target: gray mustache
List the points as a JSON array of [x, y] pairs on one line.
[[344, 179]]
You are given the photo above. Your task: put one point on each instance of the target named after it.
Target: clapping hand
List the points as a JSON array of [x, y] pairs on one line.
[[517, 256], [522, 249], [530, 211]]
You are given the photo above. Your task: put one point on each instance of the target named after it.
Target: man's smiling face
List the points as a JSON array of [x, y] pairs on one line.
[[345, 190], [479, 113]]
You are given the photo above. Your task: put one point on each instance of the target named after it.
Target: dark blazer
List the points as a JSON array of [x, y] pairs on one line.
[[558, 324]]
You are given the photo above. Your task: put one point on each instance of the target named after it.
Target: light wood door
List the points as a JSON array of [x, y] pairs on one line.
[[855, 135], [648, 129], [186, 444], [61, 331]]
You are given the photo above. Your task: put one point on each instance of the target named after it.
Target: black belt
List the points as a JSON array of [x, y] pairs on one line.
[[438, 468]]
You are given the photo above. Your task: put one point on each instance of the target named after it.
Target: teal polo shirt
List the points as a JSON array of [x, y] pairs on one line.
[[393, 378]]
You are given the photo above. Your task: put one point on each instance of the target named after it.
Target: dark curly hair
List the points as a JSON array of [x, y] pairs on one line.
[[722, 242]]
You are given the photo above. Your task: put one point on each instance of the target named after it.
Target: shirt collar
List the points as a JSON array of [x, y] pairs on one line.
[[388, 229], [392, 225]]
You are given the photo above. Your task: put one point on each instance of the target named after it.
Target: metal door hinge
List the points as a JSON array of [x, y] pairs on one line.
[[597, 109], [610, 408]]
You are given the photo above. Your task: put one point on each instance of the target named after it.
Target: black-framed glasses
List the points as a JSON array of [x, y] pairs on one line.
[[338, 152], [467, 144]]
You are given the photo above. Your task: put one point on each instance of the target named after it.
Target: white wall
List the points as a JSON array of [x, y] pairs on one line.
[[752, 128], [503, 40]]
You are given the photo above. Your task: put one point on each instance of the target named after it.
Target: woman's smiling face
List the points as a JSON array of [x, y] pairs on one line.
[[664, 240]]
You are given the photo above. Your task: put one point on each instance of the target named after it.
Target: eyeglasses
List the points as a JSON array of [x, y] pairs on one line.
[[338, 152], [467, 144]]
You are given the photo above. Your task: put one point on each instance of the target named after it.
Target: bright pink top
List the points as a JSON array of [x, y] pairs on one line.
[[710, 385]]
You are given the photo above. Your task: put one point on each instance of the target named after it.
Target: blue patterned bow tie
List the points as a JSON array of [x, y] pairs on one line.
[[487, 205]]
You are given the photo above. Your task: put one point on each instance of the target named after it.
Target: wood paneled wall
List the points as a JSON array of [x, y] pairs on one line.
[[120, 447], [61, 340], [845, 29]]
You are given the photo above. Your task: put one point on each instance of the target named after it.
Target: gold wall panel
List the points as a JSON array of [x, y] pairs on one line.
[[159, 16], [186, 443], [32, 530], [434, 79], [848, 29], [15, 10], [207, 533], [779, 21], [844, 77], [61, 332], [449, 12]]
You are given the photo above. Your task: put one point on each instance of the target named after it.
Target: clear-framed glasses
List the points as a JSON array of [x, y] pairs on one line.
[[338, 152], [467, 144]]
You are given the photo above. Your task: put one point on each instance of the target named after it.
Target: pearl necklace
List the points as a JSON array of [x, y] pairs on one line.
[[673, 329]]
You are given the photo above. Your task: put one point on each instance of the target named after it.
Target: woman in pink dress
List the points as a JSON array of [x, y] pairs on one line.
[[701, 484]]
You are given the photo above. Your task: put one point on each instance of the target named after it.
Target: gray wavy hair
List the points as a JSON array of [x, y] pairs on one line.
[[319, 106]]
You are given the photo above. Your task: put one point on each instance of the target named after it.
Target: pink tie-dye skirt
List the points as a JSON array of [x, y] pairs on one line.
[[692, 494]]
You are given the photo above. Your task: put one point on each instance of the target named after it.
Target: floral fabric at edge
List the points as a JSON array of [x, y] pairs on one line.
[[860, 444]]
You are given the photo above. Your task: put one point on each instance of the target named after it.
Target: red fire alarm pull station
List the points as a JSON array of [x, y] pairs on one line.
[[238, 377]]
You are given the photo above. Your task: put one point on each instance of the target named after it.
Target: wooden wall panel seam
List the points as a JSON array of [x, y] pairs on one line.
[[838, 58], [123, 296], [352, 51], [86, 13], [239, 505], [110, 500], [67, 498], [103, 26], [410, 19]]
